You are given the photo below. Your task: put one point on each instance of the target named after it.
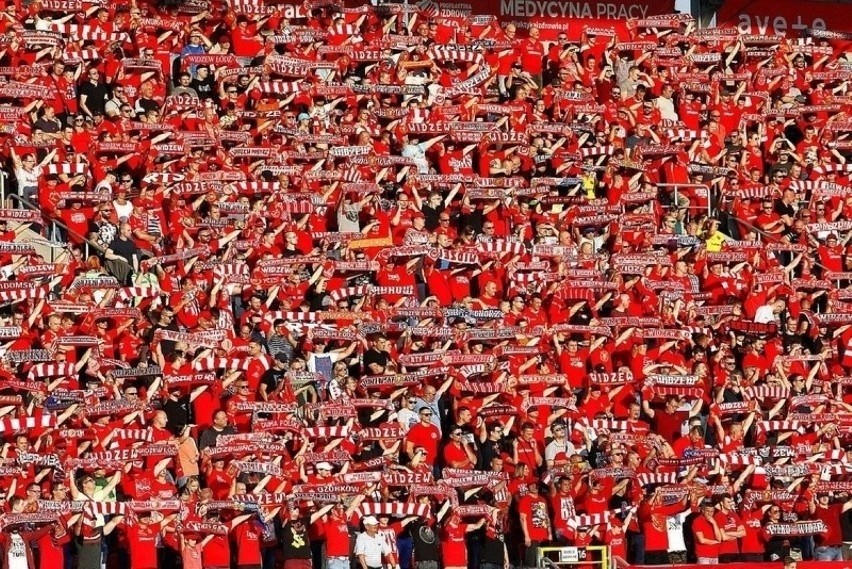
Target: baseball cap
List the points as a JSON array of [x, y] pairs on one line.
[[371, 521], [304, 117]]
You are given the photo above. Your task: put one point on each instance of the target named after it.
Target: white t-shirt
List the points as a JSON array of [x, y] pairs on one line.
[[16, 558], [674, 531], [123, 210], [28, 178], [406, 418], [417, 152], [764, 315], [372, 548], [555, 448]]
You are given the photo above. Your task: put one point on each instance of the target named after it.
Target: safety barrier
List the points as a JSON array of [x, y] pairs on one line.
[[595, 556]]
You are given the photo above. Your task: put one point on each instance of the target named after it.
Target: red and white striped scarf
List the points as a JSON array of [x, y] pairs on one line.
[[607, 149], [291, 316], [501, 247], [80, 54], [343, 30], [398, 509], [52, 369], [77, 32], [589, 519], [279, 87], [230, 269], [657, 478], [608, 424], [145, 435], [759, 192], [770, 426], [15, 295], [326, 432], [829, 168], [736, 459], [65, 168], [448, 53], [134, 292], [92, 509], [348, 292], [211, 363], [766, 392], [11, 425], [681, 133], [252, 188]]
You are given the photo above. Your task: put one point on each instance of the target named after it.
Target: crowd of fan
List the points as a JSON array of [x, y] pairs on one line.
[[450, 287]]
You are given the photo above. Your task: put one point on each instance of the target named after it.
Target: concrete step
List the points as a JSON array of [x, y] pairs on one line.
[[47, 252]]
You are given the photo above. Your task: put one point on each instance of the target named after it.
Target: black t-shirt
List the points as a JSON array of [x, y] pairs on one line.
[[317, 300], [96, 96], [425, 542], [125, 249], [178, 412], [846, 525], [784, 209], [209, 436], [147, 105], [487, 451], [272, 377], [206, 89], [432, 216], [493, 548], [50, 127], [166, 346], [295, 542], [374, 356]]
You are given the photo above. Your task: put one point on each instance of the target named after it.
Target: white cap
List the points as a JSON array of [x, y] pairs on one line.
[[371, 521], [324, 466]]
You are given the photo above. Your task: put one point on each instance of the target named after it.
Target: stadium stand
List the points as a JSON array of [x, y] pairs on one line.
[[372, 287]]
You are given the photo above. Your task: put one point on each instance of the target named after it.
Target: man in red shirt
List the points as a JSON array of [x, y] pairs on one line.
[[142, 538], [424, 436], [732, 529], [707, 534], [457, 453], [336, 527], [668, 422], [535, 523], [828, 544]]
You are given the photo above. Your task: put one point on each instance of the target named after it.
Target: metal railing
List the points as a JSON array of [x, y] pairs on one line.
[[701, 191]]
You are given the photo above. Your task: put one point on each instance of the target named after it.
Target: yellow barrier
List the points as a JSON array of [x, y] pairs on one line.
[[598, 556]]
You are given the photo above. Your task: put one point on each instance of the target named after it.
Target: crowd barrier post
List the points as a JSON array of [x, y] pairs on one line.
[[595, 556], [701, 191]]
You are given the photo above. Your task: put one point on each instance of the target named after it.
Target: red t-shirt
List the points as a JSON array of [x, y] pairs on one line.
[[428, 437], [703, 526], [668, 426], [217, 552], [831, 517], [535, 509], [453, 547], [728, 522], [247, 541], [336, 537], [143, 545]]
